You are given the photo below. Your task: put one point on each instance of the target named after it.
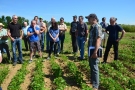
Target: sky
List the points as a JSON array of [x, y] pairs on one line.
[[123, 10]]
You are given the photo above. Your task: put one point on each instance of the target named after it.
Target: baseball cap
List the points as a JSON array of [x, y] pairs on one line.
[[61, 18], [91, 16], [75, 16]]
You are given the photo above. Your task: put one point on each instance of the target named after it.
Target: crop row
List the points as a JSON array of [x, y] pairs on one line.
[[3, 73], [37, 82], [57, 73], [18, 78]]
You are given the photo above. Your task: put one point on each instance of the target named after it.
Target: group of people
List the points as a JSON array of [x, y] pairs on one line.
[[34, 37]]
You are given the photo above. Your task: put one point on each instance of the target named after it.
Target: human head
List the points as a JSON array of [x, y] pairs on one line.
[[92, 18], [41, 19], [103, 19], [33, 23], [1, 26], [36, 18], [52, 19], [75, 18], [54, 25], [80, 18], [14, 19], [113, 20], [61, 20], [25, 24]]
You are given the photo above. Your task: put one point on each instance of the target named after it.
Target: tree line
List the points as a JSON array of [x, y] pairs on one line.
[[7, 19]]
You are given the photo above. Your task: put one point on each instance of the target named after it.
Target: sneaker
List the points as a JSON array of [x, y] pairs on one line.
[[30, 61], [21, 62], [43, 60], [14, 64], [48, 58], [58, 54]]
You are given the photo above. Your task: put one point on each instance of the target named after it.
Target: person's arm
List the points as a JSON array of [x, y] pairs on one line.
[[123, 33], [57, 35], [29, 33], [9, 34], [43, 28], [98, 41], [50, 35], [36, 31], [65, 27], [70, 28]]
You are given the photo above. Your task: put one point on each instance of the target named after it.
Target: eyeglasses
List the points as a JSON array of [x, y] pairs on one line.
[[15, 18]]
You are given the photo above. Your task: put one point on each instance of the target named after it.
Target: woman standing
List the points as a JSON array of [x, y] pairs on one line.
[[54, 38]]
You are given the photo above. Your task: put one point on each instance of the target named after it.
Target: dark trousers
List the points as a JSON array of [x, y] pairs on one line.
[[5, 46], [61, 42], [109, 45], [26, 42], [74, 42], [53, 45]]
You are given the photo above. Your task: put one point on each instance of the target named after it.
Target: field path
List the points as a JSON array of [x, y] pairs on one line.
[[28, 77], [12, 72], [48, 77]]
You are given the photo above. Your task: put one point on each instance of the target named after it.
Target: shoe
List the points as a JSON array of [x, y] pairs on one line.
[[48, 58], [30, 61], [14, 64], [58, 54], [21, 62]]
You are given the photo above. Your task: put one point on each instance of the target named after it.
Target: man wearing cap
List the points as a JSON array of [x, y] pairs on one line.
[[42, 26], [94, 41], [25, 37], [47, 34], [113, 38], [15, 33], [62, 28], [4, 41], [81, 34], [104, 26], [73, 36]]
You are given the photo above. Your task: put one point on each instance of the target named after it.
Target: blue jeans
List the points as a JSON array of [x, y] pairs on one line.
[[42, 41], [81, 43], [93, 62], [61, 42], [17, 42], [47, 41]]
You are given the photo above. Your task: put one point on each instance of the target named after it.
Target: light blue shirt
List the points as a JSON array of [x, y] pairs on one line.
[[25, 30], [3, 32]]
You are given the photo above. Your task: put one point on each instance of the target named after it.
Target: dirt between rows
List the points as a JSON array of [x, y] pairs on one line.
[[48, 78]]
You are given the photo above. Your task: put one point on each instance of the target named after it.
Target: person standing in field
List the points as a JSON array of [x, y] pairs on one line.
[[73, 36], [81, 34], [47, 34], [62, 27], [4, 41], [94, 41], [33, 32], [54, 39], [105, 35], [113, 30], [15, 33], [42, 26], [25, 37]]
